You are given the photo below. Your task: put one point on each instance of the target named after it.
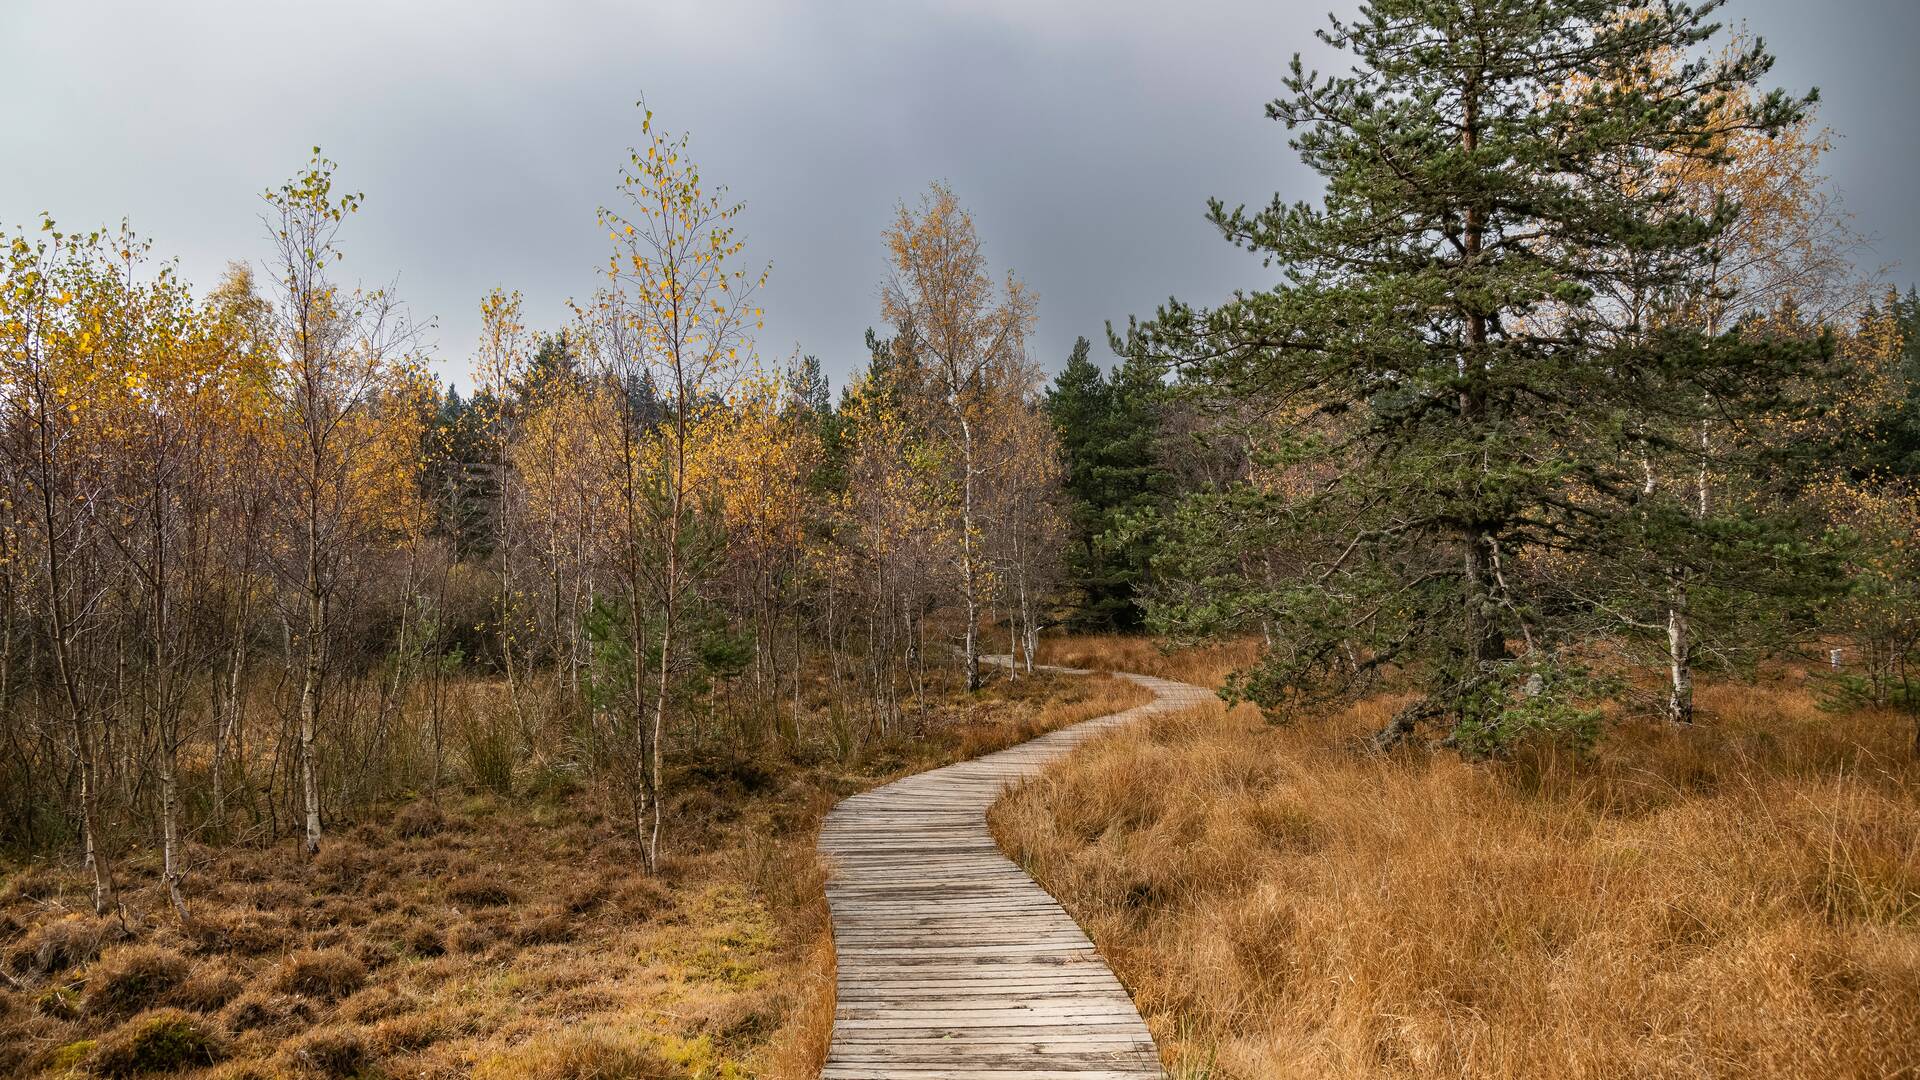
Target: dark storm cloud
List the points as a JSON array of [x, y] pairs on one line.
[[1084, 136]]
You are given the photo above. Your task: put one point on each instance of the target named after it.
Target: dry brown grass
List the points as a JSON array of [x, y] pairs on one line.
[[134, 979], [1202, 665], [1740, 899], [490, 936], [1049, 704]]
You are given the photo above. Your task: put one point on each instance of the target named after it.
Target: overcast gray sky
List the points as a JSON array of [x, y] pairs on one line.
[[1084, 135]]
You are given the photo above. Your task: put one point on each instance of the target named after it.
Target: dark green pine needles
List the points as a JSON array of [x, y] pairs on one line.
[[1463, 379]]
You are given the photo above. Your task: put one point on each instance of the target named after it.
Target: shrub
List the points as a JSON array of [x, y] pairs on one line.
[[342, 912], [333, 1051], [640, 895], [376, 1003], [552, 782], [283, 895], [34, 883], [585, 896], [133, 979], [328, 974], [369, 832], [248, 865], [165, 1040], [489, 745], [71, 1056]]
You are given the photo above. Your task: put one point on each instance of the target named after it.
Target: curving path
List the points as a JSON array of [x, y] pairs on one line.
[[953, 963]]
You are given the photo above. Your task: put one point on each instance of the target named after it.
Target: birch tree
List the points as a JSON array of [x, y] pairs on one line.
[[685, 316], [500, 367], [340, 358], [61, 312], [179, 395], [1025, 530], [947, 311], [1788, 245]]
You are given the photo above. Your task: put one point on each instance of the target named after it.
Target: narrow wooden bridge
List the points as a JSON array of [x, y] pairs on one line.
[[953, 963]]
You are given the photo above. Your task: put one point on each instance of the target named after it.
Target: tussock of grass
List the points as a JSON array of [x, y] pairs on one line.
[[1738, 899], [208, 989], [258, 1010], [62, 942], [417, 820], [334, 1051], [480, 892], [327, 974], [161, 1041], [133, 979]]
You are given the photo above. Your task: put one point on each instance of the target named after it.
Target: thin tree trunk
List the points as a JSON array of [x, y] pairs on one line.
[[670, 594], [799, 666], [1032, 627], [1485, 643], [968, 574], [105, 895], [1029, 633], [310, 676], [224, 702], [1013, 643], [170, 825], [1680, 660], [168, 718]]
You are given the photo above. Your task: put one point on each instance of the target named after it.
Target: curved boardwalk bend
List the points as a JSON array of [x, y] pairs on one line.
[[953, 963]]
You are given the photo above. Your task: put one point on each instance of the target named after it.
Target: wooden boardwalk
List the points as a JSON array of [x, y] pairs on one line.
[[953, 963]]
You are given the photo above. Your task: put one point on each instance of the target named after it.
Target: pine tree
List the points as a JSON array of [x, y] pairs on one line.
[[1080, 405], [1462, 397], [554, 363], [1895, 447], [1108, 432], [808, 387], [454, 480], [1137, 479]]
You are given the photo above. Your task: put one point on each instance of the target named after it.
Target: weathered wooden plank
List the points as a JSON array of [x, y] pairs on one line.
[[953, 963]]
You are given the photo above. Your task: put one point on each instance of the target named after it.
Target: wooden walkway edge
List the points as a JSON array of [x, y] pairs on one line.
[[953, 963]]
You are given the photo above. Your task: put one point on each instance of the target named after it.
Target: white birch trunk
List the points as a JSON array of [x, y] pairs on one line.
[[1679, 650]]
